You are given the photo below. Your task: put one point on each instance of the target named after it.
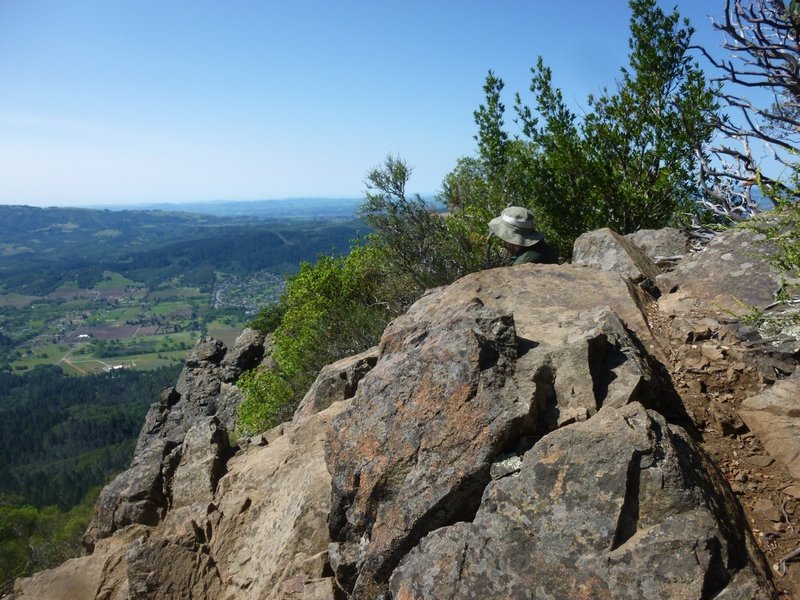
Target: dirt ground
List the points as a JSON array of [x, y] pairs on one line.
[[714, 370]]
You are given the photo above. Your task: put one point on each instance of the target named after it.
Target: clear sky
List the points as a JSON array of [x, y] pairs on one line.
[[135, 101]]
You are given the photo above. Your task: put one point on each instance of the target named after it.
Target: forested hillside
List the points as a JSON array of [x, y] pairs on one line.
[[61, 439], [61, 435], [163, 278], [42, 249]]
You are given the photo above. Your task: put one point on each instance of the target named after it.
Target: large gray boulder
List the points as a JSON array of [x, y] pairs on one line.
[[621, 506], [606, 250], [335, 382], [663, 246], [732, 273], [459, 387], [774, 416]]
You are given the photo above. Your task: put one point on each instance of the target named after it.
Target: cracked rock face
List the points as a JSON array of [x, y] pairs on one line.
[[774, 416], [414, 451], [337, 381], [607, 250], [620, 506], [187, 426], [731, 273], [455, 396]]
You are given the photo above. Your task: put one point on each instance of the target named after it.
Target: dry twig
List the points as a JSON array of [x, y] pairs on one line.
[[787, 559]]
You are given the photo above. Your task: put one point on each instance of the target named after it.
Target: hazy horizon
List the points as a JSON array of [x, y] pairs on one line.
[[152, 102]]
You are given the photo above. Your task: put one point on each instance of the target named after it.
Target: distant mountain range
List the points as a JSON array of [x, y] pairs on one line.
[[286, 208]]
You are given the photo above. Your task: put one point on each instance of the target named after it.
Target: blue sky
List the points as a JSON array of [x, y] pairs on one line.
[[135, 101]]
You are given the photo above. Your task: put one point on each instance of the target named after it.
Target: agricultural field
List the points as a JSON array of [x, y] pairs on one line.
[[119, 323], [96, 291]]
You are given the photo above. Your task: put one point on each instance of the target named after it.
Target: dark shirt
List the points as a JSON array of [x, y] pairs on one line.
[[540, 252]]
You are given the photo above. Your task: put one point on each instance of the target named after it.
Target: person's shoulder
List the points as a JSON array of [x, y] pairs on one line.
[[529, 255], [541, 252], [548, 252]]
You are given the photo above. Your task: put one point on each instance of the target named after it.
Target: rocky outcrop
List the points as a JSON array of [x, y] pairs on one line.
[[664, 247], [731, 273], [620, 506], [335, 382], [515, 435], [187, 427], [101, 575], [262, 536], [774, 416], [459, 388], [607, 250]]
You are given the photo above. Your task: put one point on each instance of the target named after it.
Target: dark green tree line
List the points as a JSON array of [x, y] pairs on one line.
[[61, 435]]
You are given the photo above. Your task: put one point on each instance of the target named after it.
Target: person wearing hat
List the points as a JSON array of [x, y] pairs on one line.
[[515, 228]]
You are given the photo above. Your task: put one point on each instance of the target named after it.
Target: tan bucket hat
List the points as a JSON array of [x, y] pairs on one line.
[[515, 226]]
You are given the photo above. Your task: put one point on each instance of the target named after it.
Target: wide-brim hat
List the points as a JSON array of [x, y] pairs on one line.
[[515, 226]]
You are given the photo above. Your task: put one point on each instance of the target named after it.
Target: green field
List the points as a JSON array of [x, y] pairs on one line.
[[100, 332], [112, 287], [113, 280], [224, 333]]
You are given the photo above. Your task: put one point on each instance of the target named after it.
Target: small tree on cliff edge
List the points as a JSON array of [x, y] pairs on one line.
[[631, 162]]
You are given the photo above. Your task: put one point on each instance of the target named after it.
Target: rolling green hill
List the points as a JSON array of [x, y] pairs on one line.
[[42, 249]]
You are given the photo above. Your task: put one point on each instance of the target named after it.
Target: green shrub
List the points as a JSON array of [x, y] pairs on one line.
[[268, 400], [331, 309], [35, 539]]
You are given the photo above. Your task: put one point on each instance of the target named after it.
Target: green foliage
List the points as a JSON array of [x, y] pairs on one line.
[[781, 228], [269, 400], [329, 310], [61, 435], [631, 162], [34, 539], [318, 300], [409, 236], [492, 138], [268, 318], [647, 136]]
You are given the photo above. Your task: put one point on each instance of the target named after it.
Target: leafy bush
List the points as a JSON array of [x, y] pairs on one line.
[[418, 247], [781, 227], [34, 539], [329, 310], [269, 400]]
